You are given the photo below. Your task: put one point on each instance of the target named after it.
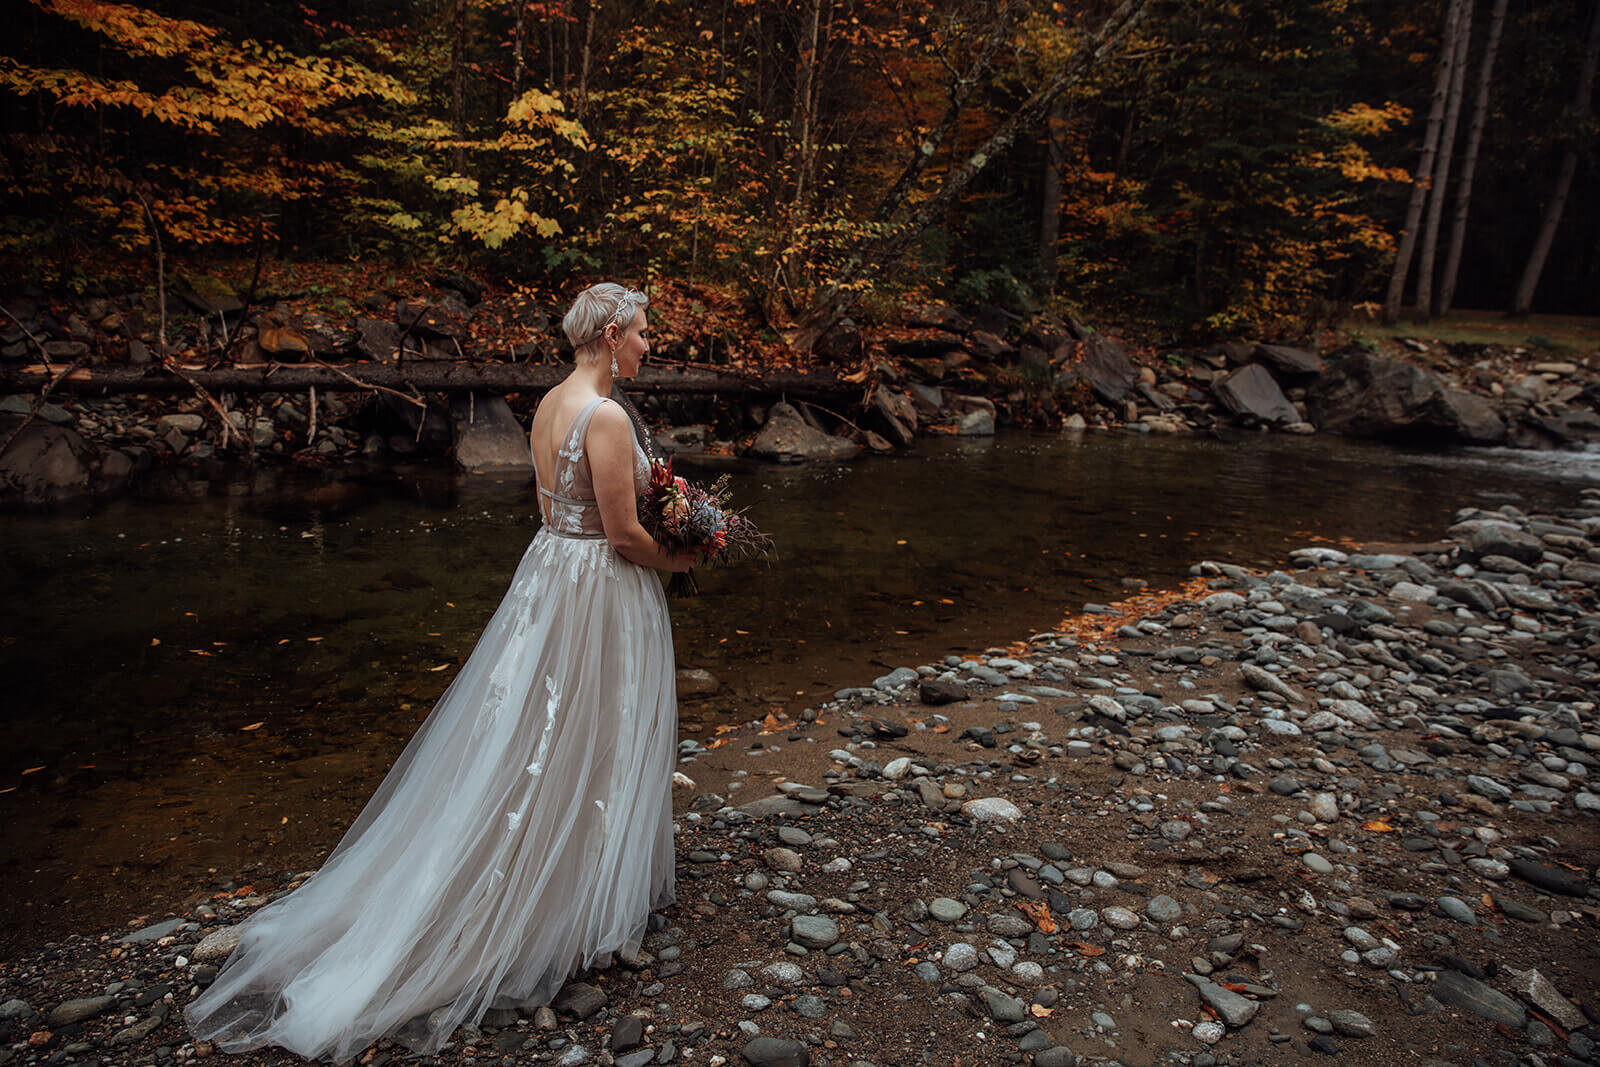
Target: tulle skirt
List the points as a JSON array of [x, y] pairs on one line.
[[525, 832]]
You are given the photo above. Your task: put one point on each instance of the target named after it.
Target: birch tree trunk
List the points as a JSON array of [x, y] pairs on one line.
[[1419, 189], [1469, 161], [1438, 188], [1569, 166], [458, 84], [519, 32], [800, 124]]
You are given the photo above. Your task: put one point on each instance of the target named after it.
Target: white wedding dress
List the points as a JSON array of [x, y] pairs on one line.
[[525, 832]]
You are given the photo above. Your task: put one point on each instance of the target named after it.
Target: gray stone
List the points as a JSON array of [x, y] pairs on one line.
[[76, 1011], [991, 809], [579, 999], [1251, 391], [628, 1034], [487, 435], [1458, 991], [154, 932], [770, 1051], [1365, 395], [946, 910], [814, 931], [787, 436], [960, 957], [1058, 1056], [1351, 1024], [217, 945], [1316, 863], [1002, 1008], [1536, 989], [1235, 1010], [1163, 909], [1547, 878], [1457, 909]]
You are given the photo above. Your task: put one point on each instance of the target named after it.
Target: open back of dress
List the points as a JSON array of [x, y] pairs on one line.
[[526, 829]]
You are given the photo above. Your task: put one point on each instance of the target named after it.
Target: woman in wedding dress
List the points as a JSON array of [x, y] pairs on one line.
[[526, 831]]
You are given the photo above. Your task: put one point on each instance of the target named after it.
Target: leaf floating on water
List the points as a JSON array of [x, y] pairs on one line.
[[33, 770], [946, 600], [440, 667], [283, 641], [1377, 826], [154, 641], [313, 639], [285, 821], [254, 725]]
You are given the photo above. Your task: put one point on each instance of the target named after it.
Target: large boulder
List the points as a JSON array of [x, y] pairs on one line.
[[488, 436], [1289, 360], [787, 438], [1251, 391], [1363, 395], [51, 464], [1104, 364]]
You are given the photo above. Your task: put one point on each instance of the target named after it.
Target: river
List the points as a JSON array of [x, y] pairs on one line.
[[212, 676]]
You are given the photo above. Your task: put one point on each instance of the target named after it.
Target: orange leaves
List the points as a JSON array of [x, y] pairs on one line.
[[1089, 629], [1377, 826], [1083, 948], [1039, 912]]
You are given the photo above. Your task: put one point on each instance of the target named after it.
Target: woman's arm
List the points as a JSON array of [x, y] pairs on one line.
[[609, 446]]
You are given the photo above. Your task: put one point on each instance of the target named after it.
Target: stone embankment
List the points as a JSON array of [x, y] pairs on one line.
[[1346, 810], [939, 371]]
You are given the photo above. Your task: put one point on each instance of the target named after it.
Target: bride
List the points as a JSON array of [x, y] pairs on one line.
[[526, 831]]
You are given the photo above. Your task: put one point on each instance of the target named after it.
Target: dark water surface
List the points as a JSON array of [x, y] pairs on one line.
[[212, 678]]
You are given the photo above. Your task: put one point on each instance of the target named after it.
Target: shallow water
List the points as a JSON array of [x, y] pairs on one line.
[[213, 676]]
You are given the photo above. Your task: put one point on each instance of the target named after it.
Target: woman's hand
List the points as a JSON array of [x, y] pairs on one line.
[[609, 446]]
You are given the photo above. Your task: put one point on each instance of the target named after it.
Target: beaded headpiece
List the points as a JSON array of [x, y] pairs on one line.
[[624, 302]]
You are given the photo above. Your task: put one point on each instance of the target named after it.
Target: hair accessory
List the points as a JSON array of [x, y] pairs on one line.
[[615, 319]]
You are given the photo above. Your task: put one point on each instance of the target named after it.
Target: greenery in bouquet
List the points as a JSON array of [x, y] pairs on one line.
[[681, 514]]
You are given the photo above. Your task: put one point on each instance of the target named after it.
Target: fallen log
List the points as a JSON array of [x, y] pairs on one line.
[[418, 376]]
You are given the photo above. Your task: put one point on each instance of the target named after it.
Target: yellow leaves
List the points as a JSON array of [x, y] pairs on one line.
[[1366, 120], [1377, 826]]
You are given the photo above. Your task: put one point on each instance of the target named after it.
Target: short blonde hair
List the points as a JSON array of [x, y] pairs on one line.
[[602, 304]]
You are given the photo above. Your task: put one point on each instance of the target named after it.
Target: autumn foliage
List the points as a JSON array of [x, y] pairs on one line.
[[1218, 167]]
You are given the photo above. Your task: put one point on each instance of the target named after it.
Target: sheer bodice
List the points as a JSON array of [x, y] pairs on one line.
[[569, 509], [526, 829]]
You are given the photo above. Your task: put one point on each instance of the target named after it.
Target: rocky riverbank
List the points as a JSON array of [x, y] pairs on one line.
[[1346, 809], [937, 370]]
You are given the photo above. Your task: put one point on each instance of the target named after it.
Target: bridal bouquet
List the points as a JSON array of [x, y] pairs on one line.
[[682, 515]]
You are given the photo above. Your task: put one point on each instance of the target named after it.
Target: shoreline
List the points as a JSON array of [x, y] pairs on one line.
[[1235, 842]]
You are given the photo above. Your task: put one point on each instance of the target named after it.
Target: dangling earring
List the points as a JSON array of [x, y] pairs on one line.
[[613, 363]]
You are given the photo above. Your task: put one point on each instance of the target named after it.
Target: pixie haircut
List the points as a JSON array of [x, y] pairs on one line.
[[601, 305]]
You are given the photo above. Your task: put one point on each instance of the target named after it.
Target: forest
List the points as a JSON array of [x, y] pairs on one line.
[[1218, 168]]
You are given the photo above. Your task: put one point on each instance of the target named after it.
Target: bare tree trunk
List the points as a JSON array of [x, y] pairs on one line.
[[1439, 186], [1050, 207], [1469, 161], [1430, 145], [800, 124], [1569, 166], [518, 35], [588, 58], [458, 84]]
